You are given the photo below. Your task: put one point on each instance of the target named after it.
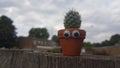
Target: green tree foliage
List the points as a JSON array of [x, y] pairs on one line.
[[7, 32], [18, 40], [55, 39], [88, 45], [97, 44], [113, 40], [41, 33], [105, 43]]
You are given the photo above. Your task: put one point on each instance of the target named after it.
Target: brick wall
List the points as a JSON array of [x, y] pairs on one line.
[[31, 43]]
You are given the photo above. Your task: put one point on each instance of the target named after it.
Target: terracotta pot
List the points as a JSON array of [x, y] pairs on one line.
[[71, 41]]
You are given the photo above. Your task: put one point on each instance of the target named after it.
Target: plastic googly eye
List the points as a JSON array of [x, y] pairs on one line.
[[66, 34], [76, 34]]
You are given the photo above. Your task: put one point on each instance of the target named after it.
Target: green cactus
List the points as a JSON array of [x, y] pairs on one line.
[[72, 19]]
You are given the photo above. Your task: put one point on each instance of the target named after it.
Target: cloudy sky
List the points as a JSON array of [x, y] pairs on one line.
[[100, 18]]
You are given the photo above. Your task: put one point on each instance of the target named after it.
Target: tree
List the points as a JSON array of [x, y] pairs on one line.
[[56, 39], [88, 45], [105, 43], [7, 32], [97, 44], [41, 33], [115, 39]]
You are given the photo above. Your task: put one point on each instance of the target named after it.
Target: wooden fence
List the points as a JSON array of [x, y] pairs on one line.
[[31, 59]]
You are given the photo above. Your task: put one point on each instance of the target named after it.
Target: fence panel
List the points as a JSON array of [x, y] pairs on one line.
[[30, 59]]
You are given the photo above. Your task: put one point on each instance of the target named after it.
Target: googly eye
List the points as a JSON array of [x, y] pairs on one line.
[[66, 34], [76, 34]]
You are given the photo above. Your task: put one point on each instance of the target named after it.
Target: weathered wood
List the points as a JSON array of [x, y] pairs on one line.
[[5, 59], [30, 59]]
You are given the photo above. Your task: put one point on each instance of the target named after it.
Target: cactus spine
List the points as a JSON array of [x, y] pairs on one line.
[[72, 19]]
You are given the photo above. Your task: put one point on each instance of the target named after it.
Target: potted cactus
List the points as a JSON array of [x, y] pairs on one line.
[[71, 38]]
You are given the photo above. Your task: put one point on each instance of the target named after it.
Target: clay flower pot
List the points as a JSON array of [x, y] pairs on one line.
[[71, 41]]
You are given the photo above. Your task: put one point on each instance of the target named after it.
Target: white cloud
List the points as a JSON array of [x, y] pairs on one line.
[[101, 36], [99, 18]]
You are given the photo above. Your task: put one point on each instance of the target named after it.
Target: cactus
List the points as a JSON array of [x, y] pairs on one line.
[[72, 19]]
